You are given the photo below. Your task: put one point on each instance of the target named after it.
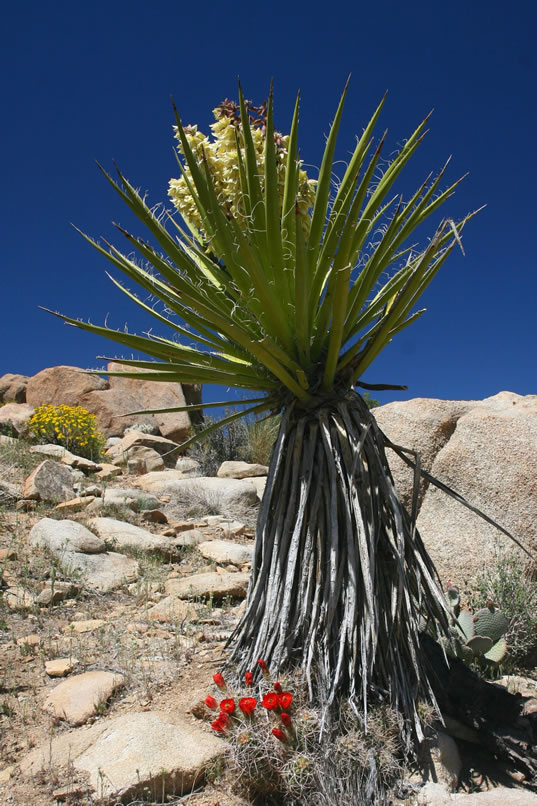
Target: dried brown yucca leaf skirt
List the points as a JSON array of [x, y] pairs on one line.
[[340, 576]]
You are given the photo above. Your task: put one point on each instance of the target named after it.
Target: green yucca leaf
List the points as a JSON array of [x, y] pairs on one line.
[[198, 406], [288, 226], [263, 295], [322, 194], [255, 410], [361, 225], [255, 196], [272, 205]]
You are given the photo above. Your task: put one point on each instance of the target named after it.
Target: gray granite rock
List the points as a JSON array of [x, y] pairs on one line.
[[224, 551], [50, 481], [65, 536], [122, 534], [139, 754], [208, 585]]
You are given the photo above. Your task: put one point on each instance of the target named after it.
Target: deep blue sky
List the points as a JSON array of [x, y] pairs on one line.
[[93, 81]]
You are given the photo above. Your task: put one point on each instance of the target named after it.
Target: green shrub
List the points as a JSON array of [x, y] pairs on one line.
[[70, 426], [246, 440], [229, 443], [370, 402], [261, 438]]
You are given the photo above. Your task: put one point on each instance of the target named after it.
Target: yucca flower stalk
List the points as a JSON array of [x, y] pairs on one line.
[[291, 289]]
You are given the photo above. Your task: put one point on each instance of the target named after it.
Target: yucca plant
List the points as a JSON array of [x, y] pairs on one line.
[[292, 288]]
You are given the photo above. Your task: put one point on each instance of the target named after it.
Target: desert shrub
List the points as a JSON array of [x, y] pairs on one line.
[[70, 426], [370, 402], [197, 501], [7, 430], [246, 440], [514, 592], [229, 443], [261, 438], [16, 460], [144, 428]]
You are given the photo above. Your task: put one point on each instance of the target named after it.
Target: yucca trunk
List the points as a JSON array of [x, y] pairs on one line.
[[340, 577]]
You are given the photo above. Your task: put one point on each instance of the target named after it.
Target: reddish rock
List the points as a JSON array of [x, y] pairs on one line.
[[127, 394], [110, 400], [50, 481], [63, 385]]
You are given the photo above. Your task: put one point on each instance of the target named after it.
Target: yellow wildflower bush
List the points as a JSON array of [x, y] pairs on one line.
[[221, 158], [70, 426]]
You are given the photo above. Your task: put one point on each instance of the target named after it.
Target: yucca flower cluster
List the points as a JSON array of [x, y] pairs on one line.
[[221, 161], [73, 427]]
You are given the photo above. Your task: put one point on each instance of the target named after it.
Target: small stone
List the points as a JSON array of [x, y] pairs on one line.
[[107, 471], [60, 667], [233, 528], [65, 536], [530, 706], [130, 497], [32, 640], [6, 774], [240, 470], [138, 627], [75, 504], [25, 505], [190, 538], [103, 572], [76, 699], [141, 459], [208, 584], [61, 590], [259, 482], [88, 625], [223, 551], [200, 710], [182, 526], [187, 465], [155, 516], [172, 609], [7, 554], [17, 597]]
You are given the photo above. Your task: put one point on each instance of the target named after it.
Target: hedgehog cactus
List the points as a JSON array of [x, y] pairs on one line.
[[481, 635]]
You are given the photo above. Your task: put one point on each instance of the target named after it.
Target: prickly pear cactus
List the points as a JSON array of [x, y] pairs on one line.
[[477, 637], [490, 622]]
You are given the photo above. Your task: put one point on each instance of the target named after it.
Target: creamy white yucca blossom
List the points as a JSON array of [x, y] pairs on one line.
[[220, 155]]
